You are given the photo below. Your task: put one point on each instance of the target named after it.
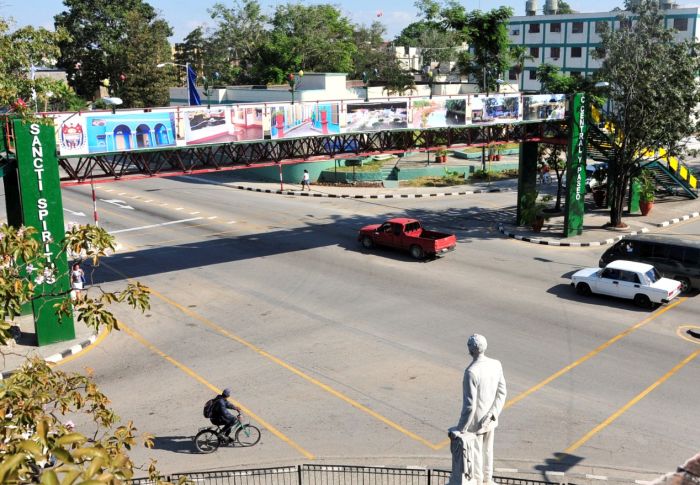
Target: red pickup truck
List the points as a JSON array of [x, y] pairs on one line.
[[407, 234]]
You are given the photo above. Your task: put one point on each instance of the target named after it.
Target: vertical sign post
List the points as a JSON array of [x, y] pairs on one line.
[[42, 209], [576, 168]]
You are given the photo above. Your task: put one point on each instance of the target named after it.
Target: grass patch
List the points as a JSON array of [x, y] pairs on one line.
[[505, 146], [368, 165], [447, 180], [480, 175]]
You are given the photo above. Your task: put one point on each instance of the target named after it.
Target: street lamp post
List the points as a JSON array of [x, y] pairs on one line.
[[187, 74], [294, 81]]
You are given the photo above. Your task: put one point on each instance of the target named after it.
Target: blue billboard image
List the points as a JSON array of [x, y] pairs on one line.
[[132, 131]]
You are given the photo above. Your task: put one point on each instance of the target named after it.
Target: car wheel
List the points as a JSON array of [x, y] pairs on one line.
[[367, 242], [642, 301], [685, 284], [583, 289], [417, 252]]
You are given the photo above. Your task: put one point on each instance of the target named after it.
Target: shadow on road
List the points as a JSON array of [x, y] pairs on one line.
[[229, 245], [176, 444], [561, 462]]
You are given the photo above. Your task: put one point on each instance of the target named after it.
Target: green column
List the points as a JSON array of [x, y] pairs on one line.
[[527, 172], [576, 167], [635, 189], [42, 209]]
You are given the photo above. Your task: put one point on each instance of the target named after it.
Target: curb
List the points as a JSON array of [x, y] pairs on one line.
[[686, 217], [546, 242], [366, 196], [55, 358]]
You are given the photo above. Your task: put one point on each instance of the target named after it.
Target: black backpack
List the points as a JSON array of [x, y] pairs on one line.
[[209, 407]]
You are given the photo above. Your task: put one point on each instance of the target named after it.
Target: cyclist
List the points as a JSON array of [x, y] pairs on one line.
[[220, 415]]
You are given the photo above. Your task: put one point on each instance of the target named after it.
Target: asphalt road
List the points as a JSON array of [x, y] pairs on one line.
[[356, 357]]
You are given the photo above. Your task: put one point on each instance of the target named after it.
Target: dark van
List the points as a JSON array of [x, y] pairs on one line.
[[674, 257]]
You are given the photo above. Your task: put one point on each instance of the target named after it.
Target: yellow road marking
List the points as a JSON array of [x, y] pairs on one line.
[[586, 357], [287, 366], [294, 370], [684, 336], [631, 403], [136, 336], [87, 349]]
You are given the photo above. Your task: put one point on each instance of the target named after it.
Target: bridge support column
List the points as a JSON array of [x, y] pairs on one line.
[[527, 173], [576, 167], [42, 208]]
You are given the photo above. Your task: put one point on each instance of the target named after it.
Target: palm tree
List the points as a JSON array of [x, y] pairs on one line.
[[518, 55]]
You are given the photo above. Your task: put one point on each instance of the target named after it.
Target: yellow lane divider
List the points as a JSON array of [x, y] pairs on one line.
[[586, 357], [631, 403], [136, 336]]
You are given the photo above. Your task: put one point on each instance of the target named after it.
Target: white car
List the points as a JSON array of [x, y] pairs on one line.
[[627, 279]]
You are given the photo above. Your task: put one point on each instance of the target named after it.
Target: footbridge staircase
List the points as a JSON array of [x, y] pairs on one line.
[[673, 177]]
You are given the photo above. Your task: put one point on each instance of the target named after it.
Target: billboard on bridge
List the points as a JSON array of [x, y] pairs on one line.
[[304, 119], [373, 116], [438, 112]]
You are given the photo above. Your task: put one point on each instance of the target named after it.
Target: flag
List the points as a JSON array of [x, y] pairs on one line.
[[192, 86]]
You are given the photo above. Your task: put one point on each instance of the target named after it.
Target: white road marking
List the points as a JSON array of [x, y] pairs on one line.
[[118, 203], [194, 213], [109, 190], [596, 477], [121, 193], [149, 200], [231, 222], [179, 208], [155, 225], [212, 217], [79, 214]]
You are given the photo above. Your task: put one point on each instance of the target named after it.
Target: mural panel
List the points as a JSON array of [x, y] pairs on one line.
[[438, 112], [390, 115]]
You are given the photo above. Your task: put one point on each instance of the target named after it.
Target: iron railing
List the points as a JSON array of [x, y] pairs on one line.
[[327, 475]]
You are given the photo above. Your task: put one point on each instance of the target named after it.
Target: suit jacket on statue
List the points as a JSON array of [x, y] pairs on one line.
[[484, 394]]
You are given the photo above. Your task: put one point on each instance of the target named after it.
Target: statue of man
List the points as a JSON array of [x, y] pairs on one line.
[[484, 394]]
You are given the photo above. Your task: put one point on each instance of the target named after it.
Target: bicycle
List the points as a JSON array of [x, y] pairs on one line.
[[209, 439]]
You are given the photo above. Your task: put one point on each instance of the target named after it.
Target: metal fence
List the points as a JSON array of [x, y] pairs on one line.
[[326, 475]]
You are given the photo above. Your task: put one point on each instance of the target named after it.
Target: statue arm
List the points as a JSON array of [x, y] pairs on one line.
[[501, 394], [468, 402]]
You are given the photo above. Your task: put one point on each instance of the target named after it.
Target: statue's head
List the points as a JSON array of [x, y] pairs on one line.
[[476, 345]]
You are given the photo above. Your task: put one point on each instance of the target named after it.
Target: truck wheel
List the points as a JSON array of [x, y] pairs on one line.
[[583, 289], [367, 242], [417, 252], [642, 301]]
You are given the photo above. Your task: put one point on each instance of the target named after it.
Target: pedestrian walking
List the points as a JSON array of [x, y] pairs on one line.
[[305, 181], [77, 281]]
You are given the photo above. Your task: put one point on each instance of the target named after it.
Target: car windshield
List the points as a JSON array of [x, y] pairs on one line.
[[653, 275]]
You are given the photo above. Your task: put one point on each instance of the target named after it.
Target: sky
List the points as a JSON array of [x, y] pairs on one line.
[[186, 15]]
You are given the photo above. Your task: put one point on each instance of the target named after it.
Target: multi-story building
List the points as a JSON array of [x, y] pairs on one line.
[[568, 40]]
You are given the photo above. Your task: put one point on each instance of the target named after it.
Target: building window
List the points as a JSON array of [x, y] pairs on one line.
[[576, 74], [577, 28], [680, 25], [554, 52], [625, 24], [575, 52], [600, 27], [512, 75], [535, 52], [555, 27], [533, 28], [515, 32], [532, 74]]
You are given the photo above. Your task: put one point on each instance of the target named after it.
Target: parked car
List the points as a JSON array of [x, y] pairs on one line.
[[409, 235], [674, 257], [640, 282]]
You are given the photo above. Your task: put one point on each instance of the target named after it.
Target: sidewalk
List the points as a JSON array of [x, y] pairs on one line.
[[24, 347]]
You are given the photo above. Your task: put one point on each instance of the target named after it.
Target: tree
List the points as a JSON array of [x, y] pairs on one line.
[[653, 88], [519, 54], [20, 51], [193, 50], [310, 38], [488, 37], [37, 444], [232, 49], [101, 45]]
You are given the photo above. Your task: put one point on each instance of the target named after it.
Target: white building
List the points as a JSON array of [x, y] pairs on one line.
[[568, 40]]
